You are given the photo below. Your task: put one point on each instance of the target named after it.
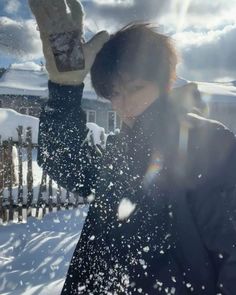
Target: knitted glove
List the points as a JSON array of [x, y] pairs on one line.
[[187, 99], [68, 58]]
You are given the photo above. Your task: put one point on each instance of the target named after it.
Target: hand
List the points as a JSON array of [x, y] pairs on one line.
[[188, 103], [65, 29], [188, 99]]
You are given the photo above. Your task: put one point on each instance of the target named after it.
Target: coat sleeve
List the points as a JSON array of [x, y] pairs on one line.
[[63, 153], [214, 209]]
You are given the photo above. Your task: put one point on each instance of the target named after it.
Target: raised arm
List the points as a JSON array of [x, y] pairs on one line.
[[63, 151]]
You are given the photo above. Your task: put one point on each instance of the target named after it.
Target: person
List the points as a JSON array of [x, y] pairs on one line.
[[162, 220]]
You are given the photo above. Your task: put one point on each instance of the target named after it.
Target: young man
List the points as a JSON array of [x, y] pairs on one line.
[[162, 221]]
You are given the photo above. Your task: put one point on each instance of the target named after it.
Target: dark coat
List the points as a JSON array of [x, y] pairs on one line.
[[178, 235]]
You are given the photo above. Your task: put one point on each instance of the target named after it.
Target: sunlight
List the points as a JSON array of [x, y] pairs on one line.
[[180, 10]]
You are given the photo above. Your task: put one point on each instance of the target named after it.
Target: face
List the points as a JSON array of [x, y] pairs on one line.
[[132, 97]]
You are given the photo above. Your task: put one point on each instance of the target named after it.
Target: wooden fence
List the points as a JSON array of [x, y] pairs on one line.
[[19, 198]]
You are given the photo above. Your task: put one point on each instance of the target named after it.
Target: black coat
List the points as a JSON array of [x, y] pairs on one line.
[[163, 219]]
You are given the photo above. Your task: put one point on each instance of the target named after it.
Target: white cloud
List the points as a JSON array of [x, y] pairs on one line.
[[115, 2], [208, 55], [29, 65], [114, 14], [20, 39], [198, 15], [12, 6]]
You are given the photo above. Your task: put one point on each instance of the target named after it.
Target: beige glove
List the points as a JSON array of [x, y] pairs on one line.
[[65, 28], [187, 99]]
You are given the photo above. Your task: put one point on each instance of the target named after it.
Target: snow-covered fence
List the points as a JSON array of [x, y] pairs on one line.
[[25, 190]]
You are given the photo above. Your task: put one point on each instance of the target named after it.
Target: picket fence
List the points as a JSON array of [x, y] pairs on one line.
[[23, 203]]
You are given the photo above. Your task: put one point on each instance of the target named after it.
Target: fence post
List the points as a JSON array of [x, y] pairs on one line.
[[1, 180], [41, 201], [29, 164], [10, 172], [20, 172], [50, 193], [58, 207]]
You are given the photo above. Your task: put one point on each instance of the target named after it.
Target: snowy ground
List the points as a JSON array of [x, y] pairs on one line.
[[34, 257]]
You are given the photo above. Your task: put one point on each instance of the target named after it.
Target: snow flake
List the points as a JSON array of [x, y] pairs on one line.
[[91, 198], [188, 285], [146, 249], [125, 209]]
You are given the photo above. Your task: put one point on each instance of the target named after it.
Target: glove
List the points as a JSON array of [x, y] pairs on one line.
[[61, 32], [188, 99], [189, 105]]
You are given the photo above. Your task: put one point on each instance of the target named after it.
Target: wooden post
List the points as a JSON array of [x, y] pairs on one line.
[[67, 200], [27, 207], [29, 161], [50, 194], [58, 197], [42, 189], [10, 178], [1, 180], [20, 172]]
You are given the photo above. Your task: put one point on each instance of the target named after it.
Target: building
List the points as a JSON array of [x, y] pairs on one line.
[[221, 100], [24, 88]]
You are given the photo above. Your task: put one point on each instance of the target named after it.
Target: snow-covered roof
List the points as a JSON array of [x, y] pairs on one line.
[[212, 91], [31, 80], [24, 81], [218, 91]]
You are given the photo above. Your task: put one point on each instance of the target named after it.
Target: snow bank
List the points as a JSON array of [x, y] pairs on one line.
[[10, 120], [97, 132], [34, 257]]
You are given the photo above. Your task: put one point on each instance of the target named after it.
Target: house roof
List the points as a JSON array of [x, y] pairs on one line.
[[17, 81], [212, 91], [31, 80]]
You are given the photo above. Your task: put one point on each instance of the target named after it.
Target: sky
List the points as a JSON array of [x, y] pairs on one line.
[[204, 31]]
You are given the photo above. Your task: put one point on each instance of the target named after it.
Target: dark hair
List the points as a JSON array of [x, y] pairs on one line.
[[139, 51]]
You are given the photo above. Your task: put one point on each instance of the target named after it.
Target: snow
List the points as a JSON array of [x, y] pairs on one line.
[[18, 80], [29, 65], [228, 91], [31, 79], [97, 132], [125, 209], [211, 91], [34, 257], [10, 120]]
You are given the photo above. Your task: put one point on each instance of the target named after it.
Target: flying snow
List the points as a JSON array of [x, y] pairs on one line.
[[125, 209]]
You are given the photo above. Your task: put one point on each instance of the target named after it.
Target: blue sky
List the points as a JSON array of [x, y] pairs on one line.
[[204, 31]]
